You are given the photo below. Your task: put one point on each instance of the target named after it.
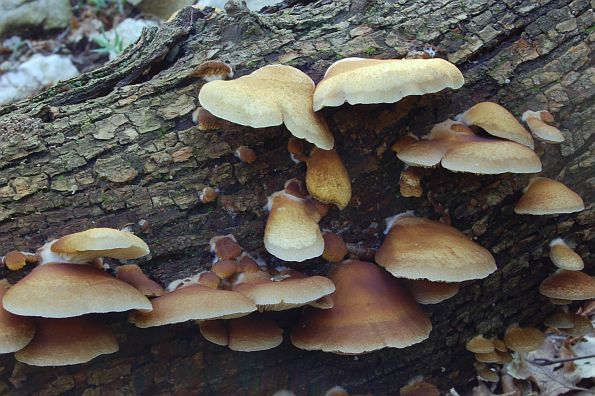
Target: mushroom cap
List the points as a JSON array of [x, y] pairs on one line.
[[327, 179], [213, 70], [61, 342], [410, 182], [292, 232], [225, 268], [358, 80], [194, 302], [564, 257], [14, 260], [419, 388], [497, 121], [559, 319], [335, 248], [371, 311], [488, 374], [15, 331], [580, 325], [286, 294], [480, 344], [568, 285], [214, 331], [427, 292], [134, 275], [270, 96], [253, 333], [499, 345], [418, 248], [64, 290], [545, 196], [85, 246], [523, 339], [225, 247], [536, 122]]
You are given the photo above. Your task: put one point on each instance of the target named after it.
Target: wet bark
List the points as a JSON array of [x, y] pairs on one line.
[[117, 146]]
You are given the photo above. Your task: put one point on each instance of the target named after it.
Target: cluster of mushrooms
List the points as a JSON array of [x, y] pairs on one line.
[[361, 306]]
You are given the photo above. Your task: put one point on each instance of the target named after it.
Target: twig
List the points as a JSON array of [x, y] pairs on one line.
[[547, 362]]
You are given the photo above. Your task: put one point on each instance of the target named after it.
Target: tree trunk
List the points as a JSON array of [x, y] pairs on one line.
[[109, 149]]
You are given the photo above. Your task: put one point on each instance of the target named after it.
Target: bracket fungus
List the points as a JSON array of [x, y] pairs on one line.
[[545, 196], [418, 248], [564, 257], [536, 120], [371, 311], [568, 285], [426, 292], [292, 232], [85, 246], [15, 331], [212, 70], [270, 96], [64, 290], [364, 81], [327, 179], [497, 121], [134, 275]]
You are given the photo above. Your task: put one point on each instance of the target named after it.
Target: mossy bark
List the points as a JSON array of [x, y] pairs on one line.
[[110, 149]]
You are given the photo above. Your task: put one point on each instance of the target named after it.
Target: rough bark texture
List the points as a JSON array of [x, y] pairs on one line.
[[117, 145]]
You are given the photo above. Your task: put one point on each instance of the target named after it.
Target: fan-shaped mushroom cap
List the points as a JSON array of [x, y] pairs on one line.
[[523, 339], [358, 80], [225, 247], [191, 303], [292, 232], [327, 179], [225, 268], [568, 285], [61, 342], [335, 248], [286, 294], [371, 311], [133, 275], [15, 331], [564, 257], [427, 292], [496, 121], [85, 246], [253, 333], [479, 344], [214, 331], [64, 290], [272, 95], [536, 122], [213, 70], [559, 319], [418, 248], [419, 388], [545, 196]]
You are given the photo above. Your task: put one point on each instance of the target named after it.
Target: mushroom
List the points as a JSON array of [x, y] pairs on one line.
[[225, 268], [208, 195], [335, 248], [545, 196], [15, 331], [292, 232], [487, 374], [523, 339], [488, 357], [536, 120], [559, 319], [245, 154], [64, 290], [86, 246], [253, 333], [327, 179], [564, 257], [418, 248], [212, 70], [371, 311], [497, 121], [480, 344], [568, 285], [581, 325], [410, 182], [426, 292], [364, 81], [214, 331], [225, 247], [133, 275], [61, 342], [206, 121], [419, 387], [270, 96]]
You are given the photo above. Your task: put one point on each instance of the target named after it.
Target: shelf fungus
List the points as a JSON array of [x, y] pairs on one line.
[[246, 334], [327, 179], [85, 246], [564, 257], [418, 248], [364, 81], [270, 96], [545, 196], [568, 285], [497, 121], [537, 122], [371, 311], [292, 232], [457, 148], [15, 331], [426, 292]]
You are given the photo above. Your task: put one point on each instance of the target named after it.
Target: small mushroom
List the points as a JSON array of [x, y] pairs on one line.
[[559, 319], [225, 268], [15, 331], [208, 195], [536, 120], [545, 196], [133, 275], [581, 325], [225, 247], [245, 154], [426, 292], [568, 285], [480, 344], [410, 182], [206, 121], [14, 260], [523, 339], [419, 388], [487, 374], [335, 248], [253, 333], [214, 331], [213, 70], [564, 257], [327, 179]]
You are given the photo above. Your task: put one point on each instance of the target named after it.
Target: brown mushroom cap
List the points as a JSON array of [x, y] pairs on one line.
[[499, 345], [488, 374], [214, 331], [64, 290], [14, 260], [523, 339], [410, 182], [580, 325], [427, 292], [225, 247], [133, 275], [61, 342], [206, 121], [327, 179], [15, 331], [371, 311], [362, 81], [419, 388], [292, 232], [488, 357], [225, 268], [194, 302], [213, 70], [568, 285], [86, 246], [479, 344], [246, 154], [270, 96], [418, 248], [253, 333], [564, 257], [497, 121], [536, 120], [545, 196], [335, 248], [559, 319]]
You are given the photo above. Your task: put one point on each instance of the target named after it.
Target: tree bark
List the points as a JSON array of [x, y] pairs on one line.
[[108, 149]]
